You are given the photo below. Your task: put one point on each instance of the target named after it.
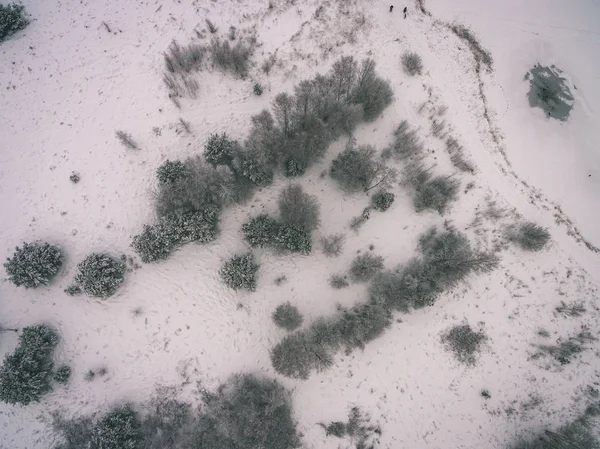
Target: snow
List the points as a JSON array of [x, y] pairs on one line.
[[67, 85]]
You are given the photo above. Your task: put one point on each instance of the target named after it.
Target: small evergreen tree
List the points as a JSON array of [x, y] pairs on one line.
[[100, 275], [240, 272], [155, 242], [34, 264], [119, 429], [294, 239], [219, 150], [25, 374], [531, 237], [294, 168], [12, 19], [382, 201], [261, 231], [62, 374], [171, 171], [287, 317]]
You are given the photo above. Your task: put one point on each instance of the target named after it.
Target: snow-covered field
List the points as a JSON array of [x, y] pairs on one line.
[[66, 85]]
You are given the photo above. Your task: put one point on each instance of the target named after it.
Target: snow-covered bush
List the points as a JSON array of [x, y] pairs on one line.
[[257, 89], [219, 149], [356, 169], [253, 168], [240, 271], [34, 264], [382, 201], [287, 317], [464, 342], [431, 192], [100, 275], [119, 429], [62, 374], [481, 54], [203, 186], [73, 290], [201, 226], [365, 267], [338, 281], [12, 19], [298, 208], [26, 374], [333, 245], [171, 171], [362, 324], [294, 168], [412, 64], [261, 231], [300, 353], [247, 412], [294, 239], [155, 242], [531, 237]]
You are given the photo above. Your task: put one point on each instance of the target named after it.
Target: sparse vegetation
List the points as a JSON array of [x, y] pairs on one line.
[[211, 26], [573, 309], [126, 139], [26, 374], [100, 275], [338, 281], [34, 264], [12, 19], [431, 192], [333, 245], [365, 266], [298, 208], [240, 272], [458, 157], [412, 64], [357, 429], [287, 317], [464, 342], [234, 59], [530, 237], [382, 201], [406, 143], [564, 351], [482, 56]]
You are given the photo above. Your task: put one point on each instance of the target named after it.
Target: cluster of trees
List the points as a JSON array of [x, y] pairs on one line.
[[246, 412], [446, 258], [290, 138]]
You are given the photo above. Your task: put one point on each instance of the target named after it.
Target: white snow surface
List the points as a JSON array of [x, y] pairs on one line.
[[66, 86]]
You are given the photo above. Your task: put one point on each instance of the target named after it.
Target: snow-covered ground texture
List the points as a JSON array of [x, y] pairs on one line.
[[67, 84]]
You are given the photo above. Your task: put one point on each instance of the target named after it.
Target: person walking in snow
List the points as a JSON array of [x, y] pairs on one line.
[[405, 10], [391, 8]]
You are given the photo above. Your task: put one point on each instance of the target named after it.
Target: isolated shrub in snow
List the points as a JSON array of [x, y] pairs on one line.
[[239, 272], [338, 281], [257, 89], [294, 239], [261, 231], [62, 374], [34, 264], [171, 171], [579, 434], [234, 59], [436, 194], [26, 374], [100, 275], [287, 317], [219, 149], [382, 201], [298, 208], [365, 267], [333, 244], [119, 429], [247, 412], [412, 63], [464, 342], [12, 19], [531, 237], [406, 143]]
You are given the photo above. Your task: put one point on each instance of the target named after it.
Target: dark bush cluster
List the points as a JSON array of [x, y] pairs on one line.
[[220, 149], [26, 374], [298, 209], [100, 275], [12, 19], [287, 317], [464, 342], [365, 267], [382, 201], [171, 171], [406, 143], [531, 237], [412, 64], [240, 271], [263, 231], [333, 244], [356, 169], [446, 259], [431, 192], [34, 264], [357, 429], [62, 374]]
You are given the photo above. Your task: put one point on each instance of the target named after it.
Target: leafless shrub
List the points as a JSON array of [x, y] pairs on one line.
[[406, 143], [232, 31], [574, 309], [457, 156], [211, 26], [565, 350], [357, 222], [298, 208], [184, 59], [333, 244], [338, 281], [126, 139], [442, 110], [437, 128], [412, 63], [185, 125], [234, 59], [268, 64]]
